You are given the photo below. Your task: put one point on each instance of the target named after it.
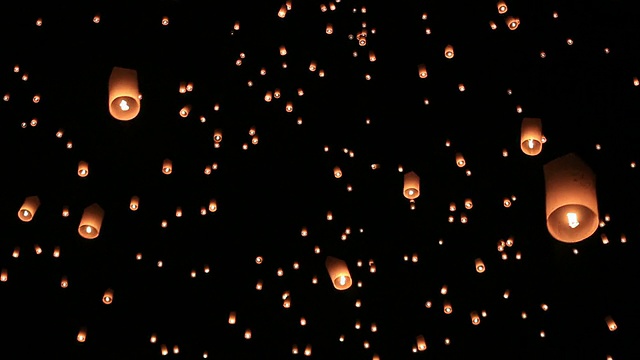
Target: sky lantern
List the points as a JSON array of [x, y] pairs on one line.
[[91, 222], [531, 136], [28, 208], [411, 188], [124, 97], [571, 201], [338, 272]]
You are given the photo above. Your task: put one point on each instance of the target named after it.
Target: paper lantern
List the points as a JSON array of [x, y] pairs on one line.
[[107, 298], [83, 169], [571, 201], [82, 334], [338, 272], [460, 161], [475, 318], [480, 265], [134, 203], [124, 97], [448, 52], [411, 188], [421, 343], [502, 7], [337, 172], [28, 208], [91, 222], [167, 166], [610, 323], [531, 136]]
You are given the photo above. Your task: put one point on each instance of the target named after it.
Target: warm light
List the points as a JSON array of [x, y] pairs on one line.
[[460, 161], [28, 208], [83, 169], [82, 335], [448, 52], [421, 343], [572, 220], [411, 185], [124, 97], [91, 221], [502, 7], [337, 172], [512, 22], [422, 71], [134, 203], [338, 272], [610, 323], [480, 265], [167, 166], [531, 136], [107, 298]]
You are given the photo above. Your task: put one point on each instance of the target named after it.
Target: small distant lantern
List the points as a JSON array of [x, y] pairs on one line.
[[460, 161], [83, 169], [184, 112], [411, 185], [134, 203], [337, 172], [475, 318], [124, 97], [447, 308], [28, 208], [338, 272], [531, 136], [610, 323], [107, 298], [422, 71], [571, 201], [213, 205], [502, 7], [421, 343], [232, 317], [91, 221], [82, 335], [448, 52], [480, 266], [512, 22], [167, 166]]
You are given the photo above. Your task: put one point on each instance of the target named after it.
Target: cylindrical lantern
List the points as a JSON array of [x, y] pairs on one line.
[[167, 166], [83, 168], [421, 343], [134, 203], [502, 7], [82, 334], [213, 205], [184, 112], [480, 265], [28, 208], [448, 52], [422, 71], [91, 222], [610, 323], [338, 272], [124, 97], [232, 317], [531, 136], [475, 318], [411, 185], [337, 172], [107, 298], [460, 161], [571, 201]]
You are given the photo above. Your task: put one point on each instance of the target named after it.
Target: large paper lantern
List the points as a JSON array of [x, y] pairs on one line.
[[338, 272], [28, 208], [571, 201], [124, 97], [411, 188], [531, 136], [91, 222]]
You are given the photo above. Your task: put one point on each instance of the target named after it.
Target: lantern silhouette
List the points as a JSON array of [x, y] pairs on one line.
[[28, 208], [91, 221], [531, 136], [571, 201], [338, 272], [124, 97], [411, 185]]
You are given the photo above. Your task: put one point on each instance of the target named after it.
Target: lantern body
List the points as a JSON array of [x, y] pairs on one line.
[[83, 169], [571, 201], [124, 97], [91, 222], [411, 185], [531, 136], [338, 272], [28, 208]]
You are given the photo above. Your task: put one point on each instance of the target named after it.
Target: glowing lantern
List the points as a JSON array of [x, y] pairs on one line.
[[28, 208], [82, 335], [422, 71], [421, 343], [531, 136], [610, 323], [411, 185], [502, 7], [448, 52], [91, 221], [512, 22], [184, 112], [480, 265], [475, 319], [571, 202], [232, 317], [460, 161], [134, 203], [124, 98], [213, 205], [83, 169], [337, 172], [338, 272], [167, 166], [107, 298]]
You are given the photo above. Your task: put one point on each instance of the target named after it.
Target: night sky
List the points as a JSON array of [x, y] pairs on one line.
[[357, 102]]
